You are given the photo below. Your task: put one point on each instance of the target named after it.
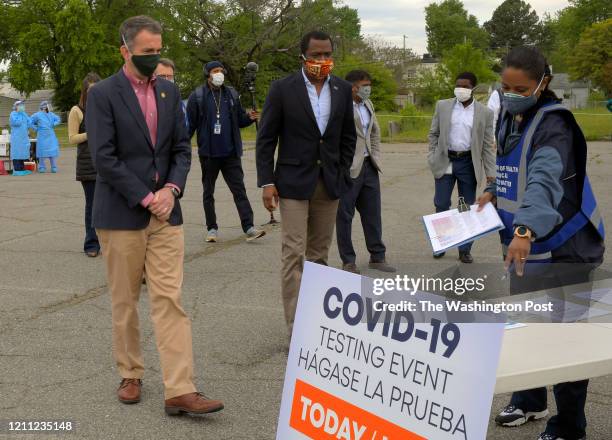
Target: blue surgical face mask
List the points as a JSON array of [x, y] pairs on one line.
[[517, 104]]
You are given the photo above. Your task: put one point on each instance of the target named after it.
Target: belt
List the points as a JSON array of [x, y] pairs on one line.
[[458, 154]]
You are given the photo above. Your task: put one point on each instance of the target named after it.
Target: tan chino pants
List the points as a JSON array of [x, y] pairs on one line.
[[160, 250], [307, 228]]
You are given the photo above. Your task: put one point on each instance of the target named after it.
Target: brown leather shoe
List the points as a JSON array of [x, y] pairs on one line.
[[351, 267], [129, 391], [192, 403], [381, 266]]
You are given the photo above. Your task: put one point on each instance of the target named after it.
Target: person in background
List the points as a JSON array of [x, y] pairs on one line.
[[365, 191], [47, 147], [215, 112], [165, 70], [494, 104], [20, 140], [308, 119], [85, 171], [461, 149], [553, 235]]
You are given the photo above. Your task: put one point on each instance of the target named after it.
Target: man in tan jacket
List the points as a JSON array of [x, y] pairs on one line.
[[365, 192]]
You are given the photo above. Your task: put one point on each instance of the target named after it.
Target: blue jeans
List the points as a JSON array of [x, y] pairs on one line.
[[91, 238], [463, 174]]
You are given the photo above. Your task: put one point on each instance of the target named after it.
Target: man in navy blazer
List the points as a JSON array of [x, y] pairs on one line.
[[308, 119], [139, 145]]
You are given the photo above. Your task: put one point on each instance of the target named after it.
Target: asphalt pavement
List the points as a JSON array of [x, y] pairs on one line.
[[55, 323]]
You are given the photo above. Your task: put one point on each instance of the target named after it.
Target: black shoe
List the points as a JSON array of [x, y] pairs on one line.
[[512, 416], [546, 436], [382, 266], [440, 255], [466, 257]]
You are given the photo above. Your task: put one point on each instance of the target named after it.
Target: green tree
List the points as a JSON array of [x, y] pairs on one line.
[[235, 32], [569, 25], [448, 23], [546, 39], [58, 41], [581, 14], [111, 13], [432, 85], [399, 60], [439, 83], [6, 15], [514, 23], [466, 58], [384, 86], [592, 58]]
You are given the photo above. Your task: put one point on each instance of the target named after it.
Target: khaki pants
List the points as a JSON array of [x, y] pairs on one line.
[[307, 228], [158, 249]]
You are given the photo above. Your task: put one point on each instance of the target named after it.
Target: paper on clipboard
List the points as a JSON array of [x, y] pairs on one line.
[[451, 228]]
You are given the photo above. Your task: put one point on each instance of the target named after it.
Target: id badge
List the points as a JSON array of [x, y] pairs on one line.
[[217, 129]]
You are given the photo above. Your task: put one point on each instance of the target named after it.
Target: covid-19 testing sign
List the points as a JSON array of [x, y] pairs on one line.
[[357, 373]]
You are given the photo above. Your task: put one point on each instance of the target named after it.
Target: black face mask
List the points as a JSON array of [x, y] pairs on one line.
[[146, 64]]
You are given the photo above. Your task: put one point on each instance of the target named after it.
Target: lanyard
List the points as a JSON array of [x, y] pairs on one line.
[[217, 103]]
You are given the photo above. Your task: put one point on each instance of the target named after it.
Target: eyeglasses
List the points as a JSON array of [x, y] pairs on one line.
[[166, 77]]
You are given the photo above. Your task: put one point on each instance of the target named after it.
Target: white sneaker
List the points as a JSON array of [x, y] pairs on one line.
[[513, 416], [211, 236]]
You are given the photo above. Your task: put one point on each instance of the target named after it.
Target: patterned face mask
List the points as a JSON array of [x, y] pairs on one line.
[[318, 69], [364, 92]]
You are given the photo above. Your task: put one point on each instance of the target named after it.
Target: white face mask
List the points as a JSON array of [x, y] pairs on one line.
[[462, 94], [217, 79]]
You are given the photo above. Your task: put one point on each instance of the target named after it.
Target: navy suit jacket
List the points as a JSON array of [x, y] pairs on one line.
[[125, 159], [304, 153]]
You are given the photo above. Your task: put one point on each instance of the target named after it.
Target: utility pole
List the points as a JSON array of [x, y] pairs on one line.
[[405, 46]]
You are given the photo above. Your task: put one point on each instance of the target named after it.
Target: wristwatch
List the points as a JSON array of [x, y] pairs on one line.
[[175, 192], [524, 232]]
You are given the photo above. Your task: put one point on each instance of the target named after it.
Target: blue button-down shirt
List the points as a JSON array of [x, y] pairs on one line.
[[321, 104]]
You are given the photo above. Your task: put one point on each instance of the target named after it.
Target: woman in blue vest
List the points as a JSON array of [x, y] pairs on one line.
[[47, 146], [20, 140], [545, 200]]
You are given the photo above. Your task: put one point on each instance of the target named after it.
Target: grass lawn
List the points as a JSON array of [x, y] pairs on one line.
[[595, 123]]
